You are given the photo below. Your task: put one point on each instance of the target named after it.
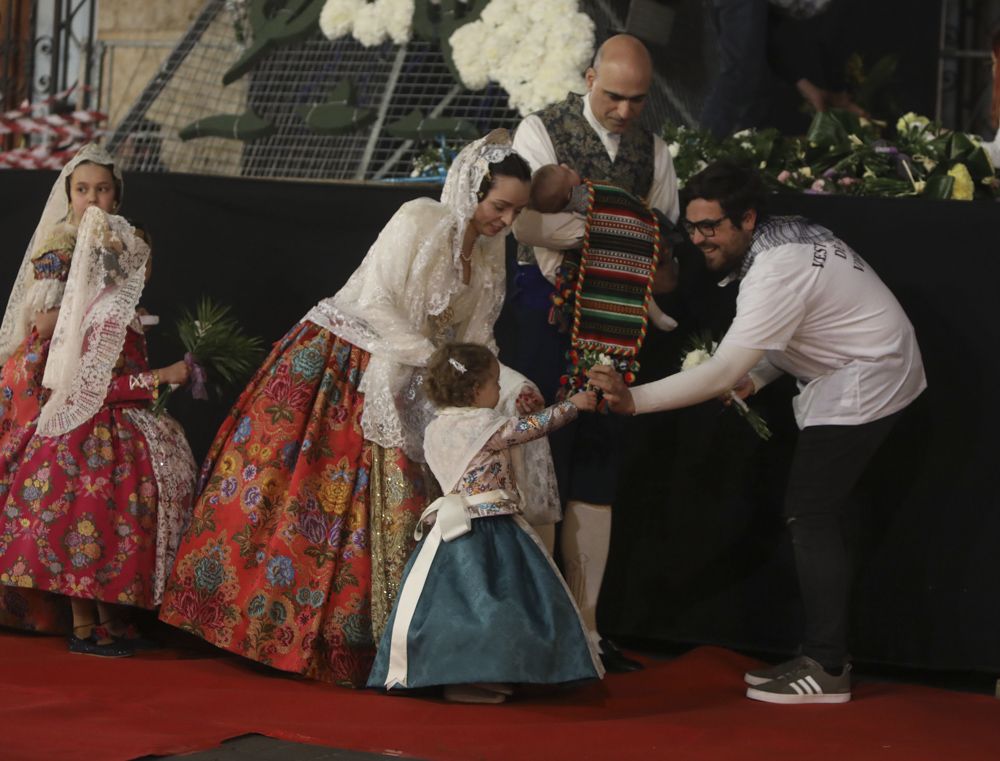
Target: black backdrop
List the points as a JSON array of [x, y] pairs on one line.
[[699, 550]]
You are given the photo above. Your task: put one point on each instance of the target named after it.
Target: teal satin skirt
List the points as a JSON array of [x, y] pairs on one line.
[[492, 609]]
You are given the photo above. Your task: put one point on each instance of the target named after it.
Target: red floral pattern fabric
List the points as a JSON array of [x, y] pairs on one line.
[[79, 518], [277, 564], [21, 397]]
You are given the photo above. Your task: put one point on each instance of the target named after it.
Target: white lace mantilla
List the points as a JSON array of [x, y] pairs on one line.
[[106, 278], [18, 314], [405, 299], [176, 473], [43, 295]]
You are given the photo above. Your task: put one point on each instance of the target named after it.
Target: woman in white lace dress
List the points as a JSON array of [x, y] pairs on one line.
[[314, 484]]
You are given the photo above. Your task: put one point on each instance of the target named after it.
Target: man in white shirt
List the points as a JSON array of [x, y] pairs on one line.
[[809, 306], [598, 136]]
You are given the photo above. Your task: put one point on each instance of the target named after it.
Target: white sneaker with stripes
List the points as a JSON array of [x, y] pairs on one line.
[[808, 683]]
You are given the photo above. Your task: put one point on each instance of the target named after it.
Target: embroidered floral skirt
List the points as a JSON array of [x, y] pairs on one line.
[[21, 393], [80, 516], [303, 528]]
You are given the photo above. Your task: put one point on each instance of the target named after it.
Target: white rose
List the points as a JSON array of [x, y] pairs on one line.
[[694, 358], [742, 134], [368, 27], [535, 51], [674, 149], [337, 17], [746, 146], [399, 21]]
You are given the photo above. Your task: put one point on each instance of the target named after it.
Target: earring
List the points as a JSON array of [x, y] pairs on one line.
[[114, 209]]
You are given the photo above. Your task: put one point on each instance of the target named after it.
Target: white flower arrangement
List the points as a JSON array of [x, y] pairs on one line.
[[702, 349], [370, 23], [535, 50]]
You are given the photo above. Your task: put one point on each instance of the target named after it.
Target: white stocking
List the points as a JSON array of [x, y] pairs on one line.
[[586, 537]]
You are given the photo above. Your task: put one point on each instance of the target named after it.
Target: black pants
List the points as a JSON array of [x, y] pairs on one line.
[[828, 461]]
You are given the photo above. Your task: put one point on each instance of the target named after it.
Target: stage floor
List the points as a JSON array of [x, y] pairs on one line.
[[54, 705]]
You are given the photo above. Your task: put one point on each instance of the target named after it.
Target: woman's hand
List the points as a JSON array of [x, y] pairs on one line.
[[45, 323], [528, 401], [616, 393], [176, 374]]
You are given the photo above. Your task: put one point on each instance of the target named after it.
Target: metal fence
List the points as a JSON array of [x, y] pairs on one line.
[[390, 81]]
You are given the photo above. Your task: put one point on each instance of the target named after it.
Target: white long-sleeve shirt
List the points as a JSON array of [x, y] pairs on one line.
[[820, 313]]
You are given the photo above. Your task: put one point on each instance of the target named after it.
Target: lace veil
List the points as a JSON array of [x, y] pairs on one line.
[[398, 303], [18, 315], [105, 281]]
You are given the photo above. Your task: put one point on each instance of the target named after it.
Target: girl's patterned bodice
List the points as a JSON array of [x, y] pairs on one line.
[[491, 467], [53, 264]]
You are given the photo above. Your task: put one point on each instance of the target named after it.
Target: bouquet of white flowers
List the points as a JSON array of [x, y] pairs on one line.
[[701, 350]]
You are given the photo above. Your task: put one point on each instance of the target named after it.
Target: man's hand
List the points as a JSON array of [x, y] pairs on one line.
[[616, 393], [741, 390]]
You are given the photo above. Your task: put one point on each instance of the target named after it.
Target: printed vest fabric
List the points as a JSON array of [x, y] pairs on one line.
[[578, 146]]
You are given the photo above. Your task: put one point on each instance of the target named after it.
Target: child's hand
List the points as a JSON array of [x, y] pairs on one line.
[[176, 374], [528, 401], [585, 401]]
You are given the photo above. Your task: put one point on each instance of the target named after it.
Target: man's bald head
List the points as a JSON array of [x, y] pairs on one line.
[[619, 81]]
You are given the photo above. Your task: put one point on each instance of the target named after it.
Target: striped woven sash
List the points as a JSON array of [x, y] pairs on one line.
[[621, 250]]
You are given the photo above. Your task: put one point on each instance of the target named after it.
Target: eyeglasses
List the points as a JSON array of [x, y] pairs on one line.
[[706, 227]]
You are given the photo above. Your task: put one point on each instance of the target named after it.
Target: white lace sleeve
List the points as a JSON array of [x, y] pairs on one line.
[[376, 298], [533, 468]]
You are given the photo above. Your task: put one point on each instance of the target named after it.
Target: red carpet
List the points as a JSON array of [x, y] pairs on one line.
[[54, 705]]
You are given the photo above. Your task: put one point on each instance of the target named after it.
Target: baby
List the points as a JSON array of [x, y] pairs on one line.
[[557, 188]]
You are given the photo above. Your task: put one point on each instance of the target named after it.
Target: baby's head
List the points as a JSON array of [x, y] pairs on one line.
[[463, 375], [551, 187]]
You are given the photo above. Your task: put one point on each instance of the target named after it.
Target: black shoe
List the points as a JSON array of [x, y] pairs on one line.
[[131, 637], [90, 646], [615, 661]]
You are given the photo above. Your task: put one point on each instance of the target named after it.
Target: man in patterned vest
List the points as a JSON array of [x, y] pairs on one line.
[[597, 135]]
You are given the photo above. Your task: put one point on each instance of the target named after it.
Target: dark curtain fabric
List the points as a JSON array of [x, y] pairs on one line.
[[699, 552]]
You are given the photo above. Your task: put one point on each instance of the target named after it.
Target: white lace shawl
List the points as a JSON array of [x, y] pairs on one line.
[[176, 474], [28, 295], [454, 437], [396, 305], [106, 278], [457, 434]]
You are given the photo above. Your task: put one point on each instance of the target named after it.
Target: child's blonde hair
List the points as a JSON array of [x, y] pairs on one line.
[[454, 371]]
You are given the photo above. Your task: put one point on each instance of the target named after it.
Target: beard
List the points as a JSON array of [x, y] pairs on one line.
[[719, 262]]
